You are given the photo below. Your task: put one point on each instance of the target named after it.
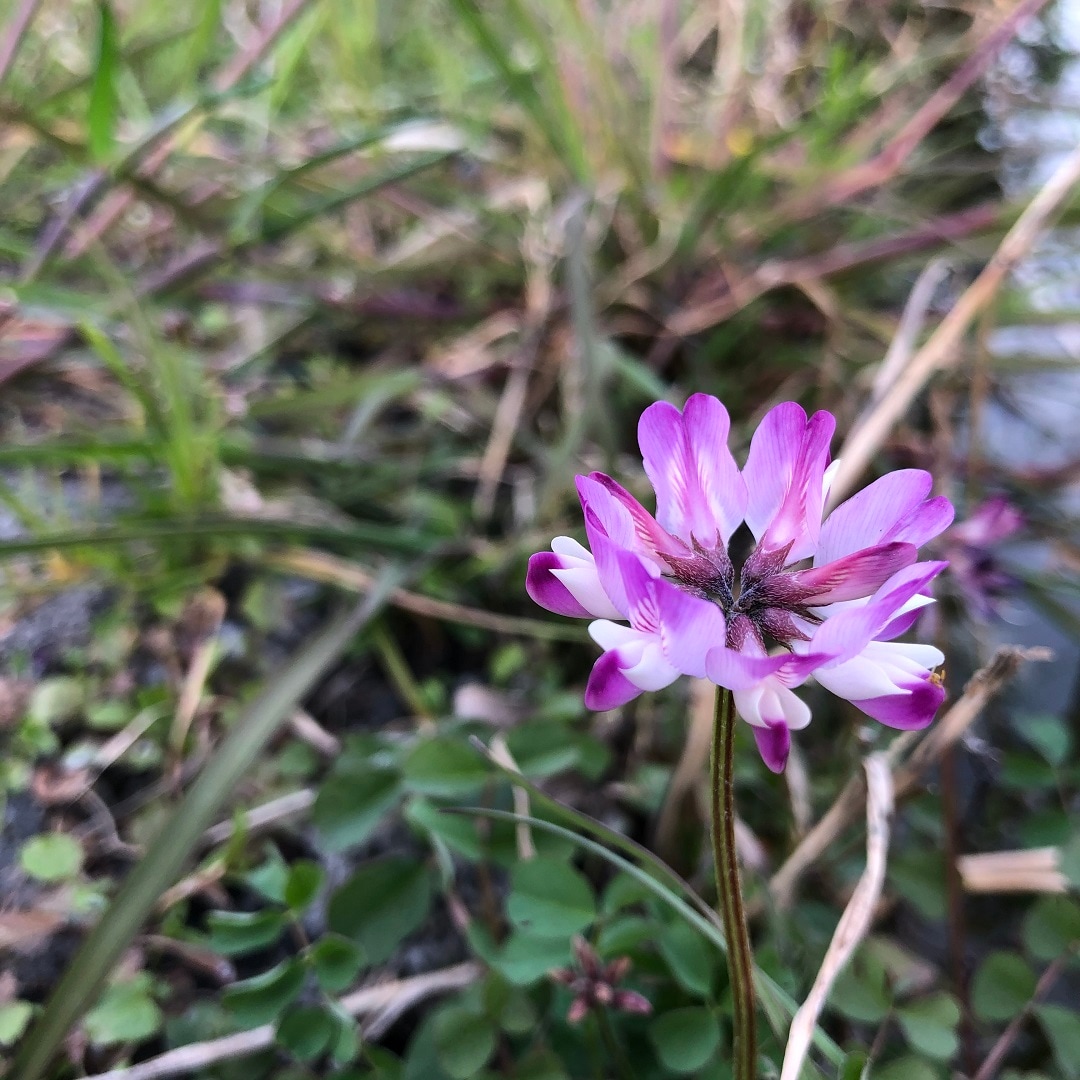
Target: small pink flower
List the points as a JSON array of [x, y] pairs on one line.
[[975, 569], [815, 597], [595, 985]]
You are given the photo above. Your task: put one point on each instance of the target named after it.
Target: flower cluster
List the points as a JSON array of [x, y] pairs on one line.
[[813, 598]]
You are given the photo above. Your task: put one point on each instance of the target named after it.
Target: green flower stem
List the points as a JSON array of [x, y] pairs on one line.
[[611, 1045], [729, 889]]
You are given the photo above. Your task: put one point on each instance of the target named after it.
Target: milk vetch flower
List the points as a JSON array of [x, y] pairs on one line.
[[814, 598]]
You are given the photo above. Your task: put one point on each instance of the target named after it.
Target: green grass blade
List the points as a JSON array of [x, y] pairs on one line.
[[166, 857], [104, 100], [391, 537]]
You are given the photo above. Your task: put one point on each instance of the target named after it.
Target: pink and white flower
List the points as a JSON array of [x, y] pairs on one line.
[[822, 598]]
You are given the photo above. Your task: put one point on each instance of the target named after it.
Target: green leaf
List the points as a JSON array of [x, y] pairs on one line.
[[233, 933], [382, 902], [337, 962], [693, 963], [549, 898], [51, 857], [101, 112], [464, 1040], [1049, 735], [685, 1039], [1002, 986], [1062, 1027], [14, 1016], [183, 830], [524, 958], [352, 802], [856, 1067], [262, 999], [929, 1025], [920, 879], [1051, 926], [861, 990], [303, 885], [126, 1013], [306, 1031], [906, 1068], [456, 831], [542, 748], [444, 766]]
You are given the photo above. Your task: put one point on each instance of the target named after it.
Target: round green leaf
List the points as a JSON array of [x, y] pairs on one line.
[[929, 1026], [906, 1068], [861, 990], [382, 902], [1002, 986], [1051, 926], [549, 898], [685, 1039], [51, 857], [464, 1041], [303, 884], [262, 999], [56, 700], [691, 960], [337, 961], [352, 802], [306, 1031], [1062, 1027], [444, 766], [126, 1013], [525, 957], [233, 933]]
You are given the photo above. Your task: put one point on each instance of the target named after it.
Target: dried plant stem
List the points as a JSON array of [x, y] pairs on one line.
[[729, 889], [399, 995], [942, 348], [907, 773], [857, 918]]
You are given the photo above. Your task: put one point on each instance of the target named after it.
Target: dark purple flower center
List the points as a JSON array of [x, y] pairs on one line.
[[765, 605]]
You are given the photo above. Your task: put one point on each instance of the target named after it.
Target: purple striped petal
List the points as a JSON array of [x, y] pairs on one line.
[[689, 628], [741, 671], [699, 491], [852, 576], [784, 478], [623, 518], [893, 508]]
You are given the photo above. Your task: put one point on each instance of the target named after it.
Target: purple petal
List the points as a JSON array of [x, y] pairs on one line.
[[608, 688], [853, 576], [623, 518], [892, 508], [740, 671], [547, 590], [787, 461], [627, 579], [990, 522], [699, 491], [689, 628], [846, 633], [907, 712], [774, 744]]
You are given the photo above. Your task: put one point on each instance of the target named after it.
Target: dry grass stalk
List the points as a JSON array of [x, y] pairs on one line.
[[857, 918], [1034, 871], [318, 566], [397, 995], [942, 349], [847, 808], [500, 752]]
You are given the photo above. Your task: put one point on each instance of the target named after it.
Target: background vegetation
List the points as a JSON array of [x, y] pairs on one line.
[[311, 299]]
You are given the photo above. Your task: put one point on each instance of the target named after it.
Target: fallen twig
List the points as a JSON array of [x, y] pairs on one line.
[[857, 917], [398, 996], [847, 808], [1037, 870]]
